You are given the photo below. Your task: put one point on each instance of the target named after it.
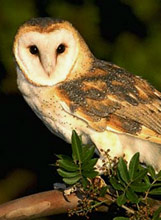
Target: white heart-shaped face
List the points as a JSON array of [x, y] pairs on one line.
[[46, 58]]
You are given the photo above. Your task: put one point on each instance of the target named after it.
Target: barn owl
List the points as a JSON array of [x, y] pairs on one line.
[[69, 89]]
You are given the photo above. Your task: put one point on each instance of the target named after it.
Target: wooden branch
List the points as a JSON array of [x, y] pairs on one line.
[[40, 204], [49, 203]]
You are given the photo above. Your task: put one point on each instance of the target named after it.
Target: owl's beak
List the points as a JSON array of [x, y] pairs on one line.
[[48, 64]]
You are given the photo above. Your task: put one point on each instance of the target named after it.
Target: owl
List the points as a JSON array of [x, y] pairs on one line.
[[70, 89]]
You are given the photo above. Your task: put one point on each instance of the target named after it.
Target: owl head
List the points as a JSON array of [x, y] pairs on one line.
[[47, 51]]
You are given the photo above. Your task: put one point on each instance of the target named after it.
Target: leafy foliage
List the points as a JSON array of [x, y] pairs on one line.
[[79, 167], [132, 185]]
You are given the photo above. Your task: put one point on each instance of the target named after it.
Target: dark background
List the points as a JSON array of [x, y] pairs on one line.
[[124, 32]]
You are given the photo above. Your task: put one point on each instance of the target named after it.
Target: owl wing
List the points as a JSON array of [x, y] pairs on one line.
[[111, 98]]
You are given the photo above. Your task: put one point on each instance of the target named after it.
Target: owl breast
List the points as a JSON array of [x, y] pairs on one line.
[[48, 108]]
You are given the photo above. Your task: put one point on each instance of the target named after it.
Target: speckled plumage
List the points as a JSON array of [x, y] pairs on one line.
[[115, 93], [105, 103]]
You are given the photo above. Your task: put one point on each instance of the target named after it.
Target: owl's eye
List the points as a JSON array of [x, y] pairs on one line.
[[60, 49], [34, 50]]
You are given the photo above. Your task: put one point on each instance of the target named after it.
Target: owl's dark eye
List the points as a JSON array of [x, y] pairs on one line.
[[60, 49], [34, 50]]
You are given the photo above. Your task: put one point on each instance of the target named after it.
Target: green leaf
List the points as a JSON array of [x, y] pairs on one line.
[[133, 166], [76, 147], [115, 184], [157, 184], [72, 180], [146, 179], [121, 200], [156, 191], [87, 153], [90, 174], [159, 176], [151, 171], [67, 164], [140, 187], [120, 218], [63, 156], [120, 181], [90, 164], [103, 191], [64, 173], [84, 182], [122, 167], [141, 174], [157, 214], [132, 196]]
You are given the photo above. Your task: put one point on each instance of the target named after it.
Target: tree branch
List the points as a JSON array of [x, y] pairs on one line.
[[40, 204], [49, 203]]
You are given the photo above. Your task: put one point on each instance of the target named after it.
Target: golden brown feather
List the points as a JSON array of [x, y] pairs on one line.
[[113, 98]]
